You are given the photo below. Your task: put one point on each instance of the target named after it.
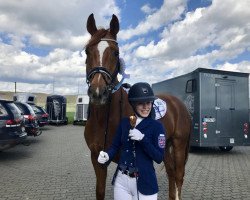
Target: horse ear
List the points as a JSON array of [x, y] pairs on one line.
[[91, 27], [114, 25]]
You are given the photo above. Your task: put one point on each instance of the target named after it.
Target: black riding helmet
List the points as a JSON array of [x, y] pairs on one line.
[[141, 92]]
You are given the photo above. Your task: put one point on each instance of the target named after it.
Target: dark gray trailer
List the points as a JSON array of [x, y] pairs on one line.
[[218, 102], [56, 108]]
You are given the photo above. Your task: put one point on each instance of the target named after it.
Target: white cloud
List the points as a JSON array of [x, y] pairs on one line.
[[59, 25], [147, 9], [239, 67], [56, 22], [170, 10], [203, 37]]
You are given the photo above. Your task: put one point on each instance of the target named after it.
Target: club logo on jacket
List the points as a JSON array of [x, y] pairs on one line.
[[161, 141]]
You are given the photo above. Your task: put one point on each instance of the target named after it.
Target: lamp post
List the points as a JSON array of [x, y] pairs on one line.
[[15, 87]]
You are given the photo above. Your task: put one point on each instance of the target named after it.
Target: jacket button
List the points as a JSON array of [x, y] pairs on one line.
[[127, 150]]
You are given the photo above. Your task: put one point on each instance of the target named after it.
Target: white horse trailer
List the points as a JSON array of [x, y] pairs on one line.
[[24, 98], [81, 114]]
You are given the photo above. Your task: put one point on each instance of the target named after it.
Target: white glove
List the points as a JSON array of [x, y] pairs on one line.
[[103, 157], [135, 134]]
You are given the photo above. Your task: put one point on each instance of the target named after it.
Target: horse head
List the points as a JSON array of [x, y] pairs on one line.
[[102, 60]]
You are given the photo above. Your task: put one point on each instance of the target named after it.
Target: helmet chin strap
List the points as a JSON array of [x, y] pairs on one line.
[[138, 115]]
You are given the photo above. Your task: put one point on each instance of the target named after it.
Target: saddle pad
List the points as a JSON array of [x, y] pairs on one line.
[[160, 107]]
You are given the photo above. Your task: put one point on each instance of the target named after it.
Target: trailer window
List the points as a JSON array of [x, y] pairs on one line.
[[191, 86], [31, 99], [80, 100]]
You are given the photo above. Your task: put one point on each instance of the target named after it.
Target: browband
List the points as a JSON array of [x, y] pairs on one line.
[[107, 39]]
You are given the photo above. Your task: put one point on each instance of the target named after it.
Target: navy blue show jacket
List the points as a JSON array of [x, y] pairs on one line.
[[149, 149]]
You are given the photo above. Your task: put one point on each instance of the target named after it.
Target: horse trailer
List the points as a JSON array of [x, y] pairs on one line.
[[218, 102], [56, 108], [24, 98], [82, 104]]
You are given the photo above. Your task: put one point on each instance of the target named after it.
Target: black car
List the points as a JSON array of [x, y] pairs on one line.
[[31, 124], [41, 114], [12, 130]]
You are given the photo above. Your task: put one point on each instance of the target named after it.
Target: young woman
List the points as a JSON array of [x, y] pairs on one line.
[[135, 176]]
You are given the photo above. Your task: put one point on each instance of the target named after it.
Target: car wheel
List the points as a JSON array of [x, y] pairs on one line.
[[226, 148]]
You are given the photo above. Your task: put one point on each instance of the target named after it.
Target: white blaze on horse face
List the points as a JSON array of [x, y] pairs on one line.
[[101, 48], [98, 80], [97, 91]]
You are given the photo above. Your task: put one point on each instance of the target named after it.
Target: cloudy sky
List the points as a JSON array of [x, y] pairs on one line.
[[40, 41]]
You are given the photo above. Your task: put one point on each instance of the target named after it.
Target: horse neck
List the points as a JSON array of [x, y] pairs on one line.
[[98, 113]]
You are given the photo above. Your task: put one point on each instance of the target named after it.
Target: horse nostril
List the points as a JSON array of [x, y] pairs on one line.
[[105, 92], [98, 95]]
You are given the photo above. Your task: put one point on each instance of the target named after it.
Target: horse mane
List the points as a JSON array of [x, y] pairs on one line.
[[97, 37]]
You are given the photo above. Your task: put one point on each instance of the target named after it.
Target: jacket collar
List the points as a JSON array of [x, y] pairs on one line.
[[144, 123]]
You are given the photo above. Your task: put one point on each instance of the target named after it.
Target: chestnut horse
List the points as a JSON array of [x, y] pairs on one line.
[[107, 107]]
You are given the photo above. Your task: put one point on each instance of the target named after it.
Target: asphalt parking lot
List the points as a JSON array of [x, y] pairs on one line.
[[56, 165]]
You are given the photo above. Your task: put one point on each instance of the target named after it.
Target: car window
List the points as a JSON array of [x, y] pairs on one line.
[[30, 109], [3, 111], [36, 109], [21, 107], [42, 110], [14, 109]]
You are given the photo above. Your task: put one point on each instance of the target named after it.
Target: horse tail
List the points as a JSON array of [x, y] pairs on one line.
[[169, 147], [188, 143]]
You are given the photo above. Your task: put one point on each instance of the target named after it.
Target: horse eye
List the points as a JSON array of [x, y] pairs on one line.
[[116, 53], [87, 51]]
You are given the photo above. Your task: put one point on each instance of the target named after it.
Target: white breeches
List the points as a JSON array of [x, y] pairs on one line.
[[125, 188]]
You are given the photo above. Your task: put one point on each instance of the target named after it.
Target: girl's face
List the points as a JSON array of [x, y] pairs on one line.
[[143, 108]]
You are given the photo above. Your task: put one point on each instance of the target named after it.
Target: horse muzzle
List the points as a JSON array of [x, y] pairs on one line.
[[98, 95]]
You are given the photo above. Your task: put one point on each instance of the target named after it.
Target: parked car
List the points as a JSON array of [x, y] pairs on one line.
[[12, 129], [41, 114], [31, 124]]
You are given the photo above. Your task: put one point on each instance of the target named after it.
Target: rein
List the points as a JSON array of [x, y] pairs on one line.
[[107, 124], [107, 121]]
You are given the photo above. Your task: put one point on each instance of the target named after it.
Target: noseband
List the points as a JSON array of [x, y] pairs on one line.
[[104, 72]]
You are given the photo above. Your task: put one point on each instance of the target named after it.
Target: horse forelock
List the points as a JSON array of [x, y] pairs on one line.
[[96, 38]]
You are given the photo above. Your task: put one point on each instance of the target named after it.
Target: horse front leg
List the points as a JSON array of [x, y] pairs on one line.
[[101, 175], [170, 169]]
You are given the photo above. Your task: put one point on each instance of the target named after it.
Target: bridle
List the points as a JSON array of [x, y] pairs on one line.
[[111, 76]]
